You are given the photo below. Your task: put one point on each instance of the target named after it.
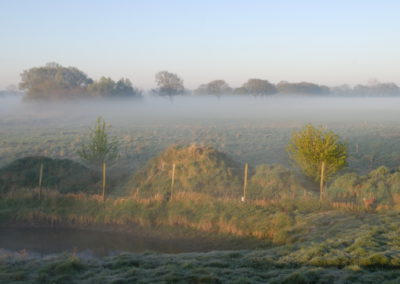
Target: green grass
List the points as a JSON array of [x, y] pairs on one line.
[[333, 260], [308, 242], [191, 211]]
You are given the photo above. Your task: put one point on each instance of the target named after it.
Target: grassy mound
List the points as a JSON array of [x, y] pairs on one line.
[[61, 174], [381, 186], [198, 169], [274, 182]]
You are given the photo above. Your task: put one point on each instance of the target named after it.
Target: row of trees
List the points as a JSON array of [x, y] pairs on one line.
[[54, 81], [170, 84], [375, 88]]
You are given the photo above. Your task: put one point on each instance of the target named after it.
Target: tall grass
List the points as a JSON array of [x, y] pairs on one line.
[[195, 211]]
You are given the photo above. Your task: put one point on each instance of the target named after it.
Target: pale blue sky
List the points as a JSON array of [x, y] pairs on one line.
[[326, 41]]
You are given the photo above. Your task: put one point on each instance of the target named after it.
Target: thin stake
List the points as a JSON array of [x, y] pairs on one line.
[[246, 166], [173, 179], [321, 184], [104, 182], [40, 180]]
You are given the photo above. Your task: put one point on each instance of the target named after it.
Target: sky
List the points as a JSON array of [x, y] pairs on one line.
[[329, 42]]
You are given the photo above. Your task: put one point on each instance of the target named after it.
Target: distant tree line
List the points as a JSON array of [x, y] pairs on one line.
[[371, 90], [54, 81], [171, 84], [259, 87]]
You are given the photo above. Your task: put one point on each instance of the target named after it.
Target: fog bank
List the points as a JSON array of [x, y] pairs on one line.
[[203, 110]]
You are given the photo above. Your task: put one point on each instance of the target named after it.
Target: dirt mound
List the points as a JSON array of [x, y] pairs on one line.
[[61, 174], [197, 168]]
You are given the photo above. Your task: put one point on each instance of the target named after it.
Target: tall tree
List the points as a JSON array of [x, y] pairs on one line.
[[168, 84], [318, 152]]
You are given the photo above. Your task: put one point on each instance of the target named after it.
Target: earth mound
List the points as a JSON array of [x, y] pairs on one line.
[[61, 174], [198, 168]]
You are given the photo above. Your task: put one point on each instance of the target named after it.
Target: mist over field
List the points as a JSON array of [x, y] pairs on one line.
[[206, 110]]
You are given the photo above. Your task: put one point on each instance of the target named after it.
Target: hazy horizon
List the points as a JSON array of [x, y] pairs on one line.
[[329, 42]]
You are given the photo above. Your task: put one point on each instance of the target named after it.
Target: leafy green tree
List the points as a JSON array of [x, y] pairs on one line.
[[100, 148], [168, 84], [318, 152]]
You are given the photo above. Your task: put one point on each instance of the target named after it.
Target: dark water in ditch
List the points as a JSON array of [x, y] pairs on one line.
[[58, 240]]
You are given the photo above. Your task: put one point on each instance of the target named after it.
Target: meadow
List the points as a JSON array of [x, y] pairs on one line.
[[278, 235]]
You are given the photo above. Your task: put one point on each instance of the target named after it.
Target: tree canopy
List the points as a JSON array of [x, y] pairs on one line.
[[216, 88], [54, 81], [318, 152], [284, 87], [257, 87], [168, 84], [106, 87], [99, 149]]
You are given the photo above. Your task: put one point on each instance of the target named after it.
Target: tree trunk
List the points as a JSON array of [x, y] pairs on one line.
[[321, 184]]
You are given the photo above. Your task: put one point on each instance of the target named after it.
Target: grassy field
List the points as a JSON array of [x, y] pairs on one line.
[[370, 146], [289, 236]]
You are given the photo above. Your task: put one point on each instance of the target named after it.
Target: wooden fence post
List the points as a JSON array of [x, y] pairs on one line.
[[246, 167], [40, 180], [172, 179], [104, 181], [321, 184]]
